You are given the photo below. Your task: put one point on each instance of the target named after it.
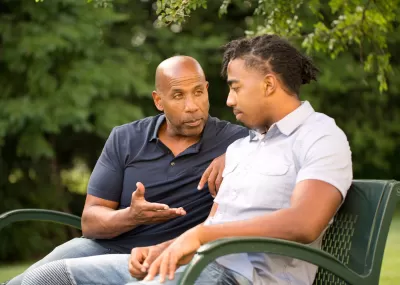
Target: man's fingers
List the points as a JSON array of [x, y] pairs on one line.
[[171, 213], [218, 181], [211, 182], [173, 260], [164, 266], [139, 192], [157, 216], [154, 207], [181, 211], [168, 213], [150, 258], [135, 266], [154, 269], [136, 269], [204, 177]]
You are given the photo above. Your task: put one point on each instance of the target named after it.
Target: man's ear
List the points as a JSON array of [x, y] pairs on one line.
[[157, 101], [270, 84]]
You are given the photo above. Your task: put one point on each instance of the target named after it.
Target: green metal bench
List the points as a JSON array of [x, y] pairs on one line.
[[352, 248], [39, 215]]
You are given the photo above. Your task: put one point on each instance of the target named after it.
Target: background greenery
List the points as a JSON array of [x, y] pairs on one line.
[[70, 71]]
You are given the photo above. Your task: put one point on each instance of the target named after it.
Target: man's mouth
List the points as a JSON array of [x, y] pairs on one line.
[[193, 123]]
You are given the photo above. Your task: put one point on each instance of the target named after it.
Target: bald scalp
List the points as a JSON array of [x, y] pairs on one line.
[[176, 67]]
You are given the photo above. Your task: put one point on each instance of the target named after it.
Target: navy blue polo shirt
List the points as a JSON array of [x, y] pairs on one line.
[[133, 153]]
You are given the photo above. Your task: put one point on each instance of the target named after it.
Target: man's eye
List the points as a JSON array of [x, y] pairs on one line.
[[199, 93], [236, 89], [177, 95]]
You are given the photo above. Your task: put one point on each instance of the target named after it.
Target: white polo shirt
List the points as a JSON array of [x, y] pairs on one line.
[[260, 174]]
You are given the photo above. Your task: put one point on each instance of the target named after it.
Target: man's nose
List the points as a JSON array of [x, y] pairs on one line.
[[190, 105], [231, 100]]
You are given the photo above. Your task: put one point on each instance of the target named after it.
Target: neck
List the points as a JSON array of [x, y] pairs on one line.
[[285, 106], [288, 106], [167, 131]]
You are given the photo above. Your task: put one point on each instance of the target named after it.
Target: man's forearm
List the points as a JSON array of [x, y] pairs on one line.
[[282, 224], [105, 223]]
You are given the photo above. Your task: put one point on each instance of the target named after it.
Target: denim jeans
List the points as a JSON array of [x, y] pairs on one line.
[[78, 247], [213, 274], [113, 270], [86, 262]]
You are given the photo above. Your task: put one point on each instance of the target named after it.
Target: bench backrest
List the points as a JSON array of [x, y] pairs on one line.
[[358, 234]]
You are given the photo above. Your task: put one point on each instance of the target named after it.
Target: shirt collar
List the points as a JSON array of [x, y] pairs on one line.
[[290, 122], [295, 119], [157, 126], [207, 131]]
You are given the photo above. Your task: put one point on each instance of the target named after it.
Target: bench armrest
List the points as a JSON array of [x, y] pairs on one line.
[[39, 215], [209, 252]]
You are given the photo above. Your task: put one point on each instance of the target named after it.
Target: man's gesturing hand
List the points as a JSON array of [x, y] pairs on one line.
[[144, 213], [213, 175]]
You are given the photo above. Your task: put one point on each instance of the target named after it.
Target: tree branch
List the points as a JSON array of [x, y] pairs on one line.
[[362, 30]]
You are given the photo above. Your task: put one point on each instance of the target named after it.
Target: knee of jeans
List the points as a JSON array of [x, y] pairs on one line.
[[48, 274], [60, 250]]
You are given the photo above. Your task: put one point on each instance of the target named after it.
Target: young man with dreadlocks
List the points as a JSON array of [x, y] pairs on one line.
[[285, 180]]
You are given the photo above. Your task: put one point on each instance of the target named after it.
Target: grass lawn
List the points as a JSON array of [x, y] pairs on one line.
[[8, 271], [390, 273]]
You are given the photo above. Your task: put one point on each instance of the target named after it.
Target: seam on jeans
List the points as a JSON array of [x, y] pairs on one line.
[[69, 273]]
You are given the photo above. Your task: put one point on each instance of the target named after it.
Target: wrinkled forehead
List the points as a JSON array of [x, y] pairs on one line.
[[182, 78]]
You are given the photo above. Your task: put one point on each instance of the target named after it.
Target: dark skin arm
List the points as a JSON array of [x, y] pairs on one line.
[[313, 204], [213, 175], [102, 220]]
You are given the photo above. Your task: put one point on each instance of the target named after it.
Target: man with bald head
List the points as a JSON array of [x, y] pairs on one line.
[[144, 188]]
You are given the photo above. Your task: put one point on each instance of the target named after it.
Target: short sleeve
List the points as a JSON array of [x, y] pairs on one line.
[[328, 159], [107, 177]]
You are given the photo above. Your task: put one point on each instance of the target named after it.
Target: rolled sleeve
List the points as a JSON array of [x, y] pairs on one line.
[[107, 177], [328, 159]]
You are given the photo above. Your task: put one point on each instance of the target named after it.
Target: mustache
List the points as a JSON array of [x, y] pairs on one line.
[[191, 120], [236, 111]]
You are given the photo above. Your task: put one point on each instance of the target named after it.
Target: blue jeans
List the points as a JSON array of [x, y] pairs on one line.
[[213, 274], [75, 248], [112, 269]]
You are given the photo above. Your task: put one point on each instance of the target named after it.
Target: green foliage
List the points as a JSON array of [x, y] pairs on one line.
[[176, 10], [62, 79], [77, 177], [365, 24], [61, 73]]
